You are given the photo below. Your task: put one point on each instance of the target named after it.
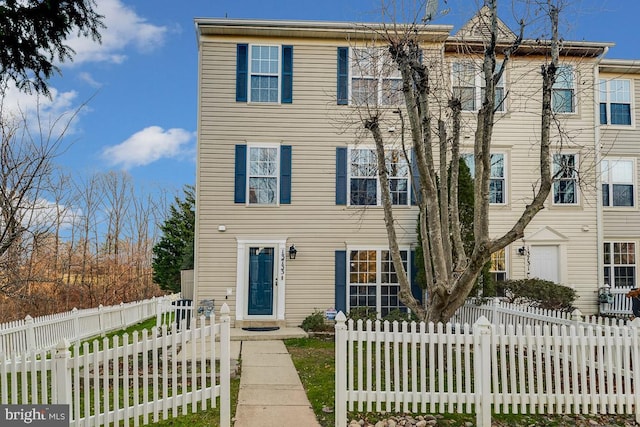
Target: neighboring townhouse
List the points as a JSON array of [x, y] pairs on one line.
[[619, 91], [288, 202]]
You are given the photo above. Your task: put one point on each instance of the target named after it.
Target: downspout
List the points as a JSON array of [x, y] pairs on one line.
[[598, 159], [196, 239]]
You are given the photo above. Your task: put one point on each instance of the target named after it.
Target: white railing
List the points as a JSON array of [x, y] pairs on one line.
[[45, 332], [154, 375], [621, 305], [409, 367], [502, 313]]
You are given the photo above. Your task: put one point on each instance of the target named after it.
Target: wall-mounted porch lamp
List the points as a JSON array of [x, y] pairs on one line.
[[292, 252]]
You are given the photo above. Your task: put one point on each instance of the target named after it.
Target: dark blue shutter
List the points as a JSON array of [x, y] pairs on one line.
[[341, 281], [285, 174], [416, 290], [415, 179], [241, 174], [242, 72], [287, 75], [343, 76], [341, 176]]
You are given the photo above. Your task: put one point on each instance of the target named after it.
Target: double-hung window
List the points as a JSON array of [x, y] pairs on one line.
[[375, 78], [565, 179], [364, 186], [499, 266], [615, 102], [620, 264], [497, 180], [262, 174], [264, 73], [618, 182], [469, 86], [563, 90], [373, 281]]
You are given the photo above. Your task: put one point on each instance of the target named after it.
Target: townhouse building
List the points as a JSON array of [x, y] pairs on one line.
[[289, 219], [618, 150]]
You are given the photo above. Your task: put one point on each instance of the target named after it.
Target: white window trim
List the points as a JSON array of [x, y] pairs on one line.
[[378, 284], [507, 253], [377, 178], [248, 169], [379, 79], [612, 264], [250, 73], [634, 182], [505, 178], [479, 84], [607, 81], [574, 72], [576, 179]]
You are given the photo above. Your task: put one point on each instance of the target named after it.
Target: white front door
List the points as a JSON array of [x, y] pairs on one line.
[[545, 262]]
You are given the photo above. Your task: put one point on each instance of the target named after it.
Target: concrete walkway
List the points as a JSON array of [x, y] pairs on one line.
[[271, 394]]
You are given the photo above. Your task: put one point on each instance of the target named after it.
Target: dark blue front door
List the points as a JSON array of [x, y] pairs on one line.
[[261, 262]]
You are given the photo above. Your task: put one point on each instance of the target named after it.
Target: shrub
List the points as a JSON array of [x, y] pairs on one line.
[[538, 293], [315, 323], [362, 313]]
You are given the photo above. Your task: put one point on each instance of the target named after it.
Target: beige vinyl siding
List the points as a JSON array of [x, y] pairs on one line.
[[314, 126], [623, 224]]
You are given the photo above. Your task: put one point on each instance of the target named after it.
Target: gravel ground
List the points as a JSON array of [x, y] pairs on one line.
[[523, 420]]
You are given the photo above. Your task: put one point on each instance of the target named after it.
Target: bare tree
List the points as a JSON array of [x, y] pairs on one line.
[[28, 148], [433, 126]]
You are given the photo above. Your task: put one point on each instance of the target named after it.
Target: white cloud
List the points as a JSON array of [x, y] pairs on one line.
[[88, 79], [55, 114], [125, 28], [148, 145]]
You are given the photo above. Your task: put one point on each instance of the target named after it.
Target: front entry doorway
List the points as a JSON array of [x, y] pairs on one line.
[[261, 293]]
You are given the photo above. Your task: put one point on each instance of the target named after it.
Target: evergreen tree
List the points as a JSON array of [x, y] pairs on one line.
[[33, 35], [174, 251]]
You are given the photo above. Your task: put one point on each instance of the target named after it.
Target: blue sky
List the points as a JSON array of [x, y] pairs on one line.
[[140, 85]]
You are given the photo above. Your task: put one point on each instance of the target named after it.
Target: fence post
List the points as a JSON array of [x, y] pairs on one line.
[[482, 371], [159, 313], [61, 375], [341, 370], [225, 367], [576, 316], [76, 324], [30, 333], [635, 361], [101, 319], [123, 317]]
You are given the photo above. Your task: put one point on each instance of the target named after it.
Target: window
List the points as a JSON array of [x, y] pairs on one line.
[[565, 183], [618, 182], [363, 177], [469, 84], [615, 102], [497, 194], [375, 78], [263, 172], [264, 73], [563, 91], [620, 264], [263, 175], [373, 282], [499, 266]]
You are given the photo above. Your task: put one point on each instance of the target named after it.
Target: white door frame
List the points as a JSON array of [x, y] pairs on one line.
[[242, 277]]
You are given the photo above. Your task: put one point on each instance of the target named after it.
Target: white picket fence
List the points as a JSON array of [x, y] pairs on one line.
[[159, 374], [503, 313], [45, 332], [453, 368]]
